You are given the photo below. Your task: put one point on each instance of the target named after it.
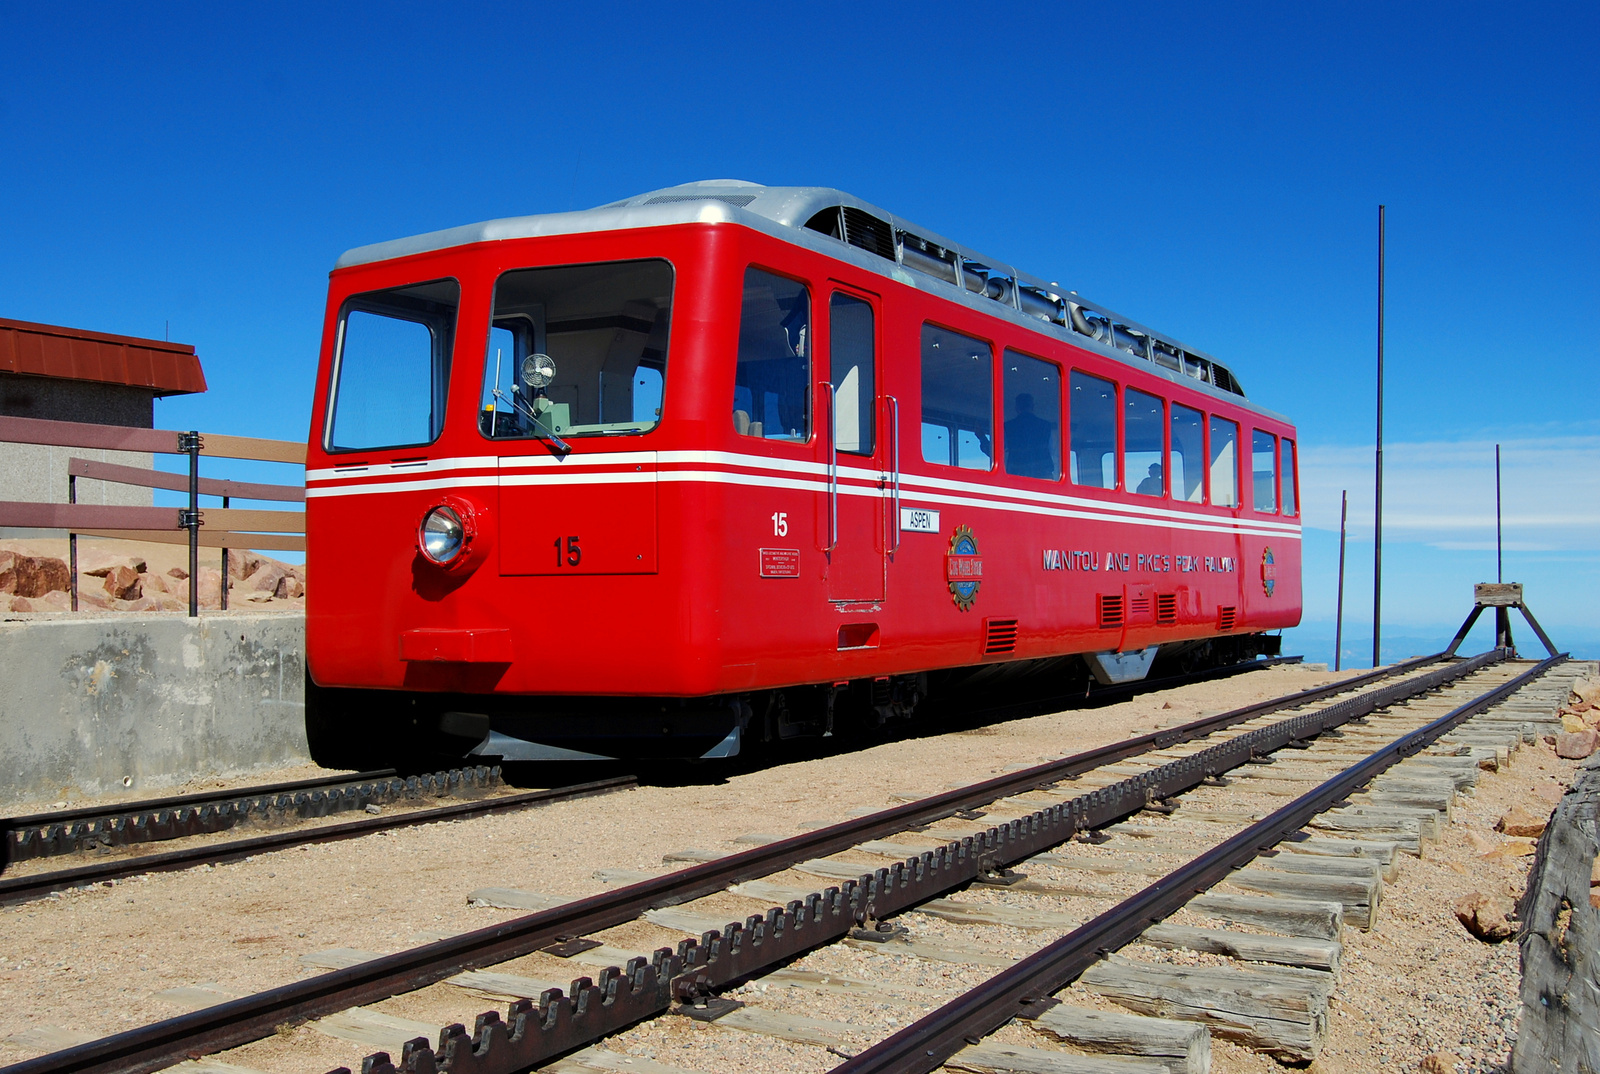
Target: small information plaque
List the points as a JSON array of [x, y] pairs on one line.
[[919, 520], [780, 562]]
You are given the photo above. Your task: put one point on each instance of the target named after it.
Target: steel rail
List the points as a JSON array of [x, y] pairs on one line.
[[529, 1035], [32, 836], [42, 835], [1022, 989], [23, 888], [646, 989]]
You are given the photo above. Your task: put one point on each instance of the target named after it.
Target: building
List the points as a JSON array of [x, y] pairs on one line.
[[68, 374]]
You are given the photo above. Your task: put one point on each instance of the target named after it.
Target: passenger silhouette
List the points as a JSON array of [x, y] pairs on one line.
[[1152, 485], [1029, 443]]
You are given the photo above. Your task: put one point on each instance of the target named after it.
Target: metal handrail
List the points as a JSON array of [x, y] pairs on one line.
[[833, 466], [894, 468]]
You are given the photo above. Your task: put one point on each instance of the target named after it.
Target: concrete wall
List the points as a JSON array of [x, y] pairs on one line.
[[147, 702]]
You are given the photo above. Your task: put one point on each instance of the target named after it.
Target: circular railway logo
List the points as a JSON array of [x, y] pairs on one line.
[[1269, 572], [963, 568]]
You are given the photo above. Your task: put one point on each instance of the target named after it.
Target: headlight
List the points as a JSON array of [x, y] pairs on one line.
[[442, 536]]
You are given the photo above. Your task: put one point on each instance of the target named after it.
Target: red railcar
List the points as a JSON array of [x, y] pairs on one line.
[[726, 460]]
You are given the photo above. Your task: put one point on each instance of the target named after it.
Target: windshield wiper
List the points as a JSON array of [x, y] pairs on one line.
[[561, 446]]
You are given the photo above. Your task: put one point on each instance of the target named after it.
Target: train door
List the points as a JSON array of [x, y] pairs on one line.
[[856, 485]]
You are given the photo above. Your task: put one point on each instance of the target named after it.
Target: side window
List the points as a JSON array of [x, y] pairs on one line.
[[1142, 443], [393, 367], [1224, 463], [1033, 417], [850, 359], [772, 382], [1093, 455], [957, 399], [1291, 502], [1186, 462], [1263, 470]]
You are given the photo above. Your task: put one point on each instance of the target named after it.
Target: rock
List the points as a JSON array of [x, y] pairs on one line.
[[179, 573], [159, 602], [242, 565], [153, 583], [257, 596], [1571, 721], [122, 582], [1485, 916], [100, 564], [265, 578], [1518, 821], [1587, 690], [89, 597], [1576, 745], [33, 576], [210, 587], [290, 587], [56, 601], [1511, 848], [1439, 1063]]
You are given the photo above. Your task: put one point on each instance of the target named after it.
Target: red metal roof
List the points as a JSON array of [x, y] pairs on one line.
[[47, 350]]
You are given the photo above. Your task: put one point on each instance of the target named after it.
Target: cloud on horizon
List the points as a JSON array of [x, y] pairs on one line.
[[1441, 493]]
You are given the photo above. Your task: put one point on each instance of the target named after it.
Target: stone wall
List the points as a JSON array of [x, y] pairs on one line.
[[147, 702]]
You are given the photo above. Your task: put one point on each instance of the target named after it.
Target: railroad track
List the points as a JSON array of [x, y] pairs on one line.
[[74, 831], [37, 885], [1039, 810], [66, 831]]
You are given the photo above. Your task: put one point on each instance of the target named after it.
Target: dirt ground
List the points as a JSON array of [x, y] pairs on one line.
[[89, 963]]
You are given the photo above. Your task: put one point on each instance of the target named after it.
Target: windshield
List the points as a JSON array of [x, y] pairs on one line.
[[392, 367], [577, 350]]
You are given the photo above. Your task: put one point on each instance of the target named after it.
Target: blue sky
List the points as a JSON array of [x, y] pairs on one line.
[[1213, 171]]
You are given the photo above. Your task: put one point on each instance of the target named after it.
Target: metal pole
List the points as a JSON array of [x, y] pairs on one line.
[[1338, 620], [224, 601], [1499, 560], [72, 541], [1377, 517], [189, 443]]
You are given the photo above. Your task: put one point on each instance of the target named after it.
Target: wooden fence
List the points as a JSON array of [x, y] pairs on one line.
[[210, 527]]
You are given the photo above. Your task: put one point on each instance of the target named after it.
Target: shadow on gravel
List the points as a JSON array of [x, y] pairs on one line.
[[954, 712]]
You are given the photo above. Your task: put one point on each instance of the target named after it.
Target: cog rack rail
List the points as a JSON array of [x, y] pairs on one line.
[[643, 988]]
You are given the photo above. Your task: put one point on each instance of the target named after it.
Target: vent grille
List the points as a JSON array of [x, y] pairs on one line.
[[1225, 618], [1166, 607], [1110, 610], [738, 200], [866, 231], [1139, 606], [999, 636]]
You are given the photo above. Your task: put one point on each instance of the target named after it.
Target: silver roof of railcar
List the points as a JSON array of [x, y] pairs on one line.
[[784, 211]]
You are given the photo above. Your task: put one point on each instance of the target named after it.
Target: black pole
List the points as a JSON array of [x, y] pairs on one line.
[[189, 443], [1499, 560], [1377, 517], [1338, 620], [223, 601], [72, 541]]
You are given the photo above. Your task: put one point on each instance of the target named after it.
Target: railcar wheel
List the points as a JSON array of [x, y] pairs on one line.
[[339, 727]]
